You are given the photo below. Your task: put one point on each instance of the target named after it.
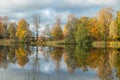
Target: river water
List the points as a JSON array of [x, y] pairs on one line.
[[58, 63]]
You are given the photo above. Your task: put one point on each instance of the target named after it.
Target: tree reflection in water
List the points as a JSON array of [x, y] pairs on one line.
[[105, 61], [56, 55]]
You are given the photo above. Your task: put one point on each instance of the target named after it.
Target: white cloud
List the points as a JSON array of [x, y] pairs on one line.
[[49, 9], [91, 2], [48, 16]]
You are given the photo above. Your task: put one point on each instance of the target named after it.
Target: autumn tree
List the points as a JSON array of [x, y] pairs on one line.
[[94, 28], [12, 30], [23, 29], [66, 28], [65, 31], [113, 31], [117, 22], [1, 28], [56, 31], [105, 17]]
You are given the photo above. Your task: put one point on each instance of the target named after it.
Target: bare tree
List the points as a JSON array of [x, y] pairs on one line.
[[36, 22], [71, 17], [5, 25]]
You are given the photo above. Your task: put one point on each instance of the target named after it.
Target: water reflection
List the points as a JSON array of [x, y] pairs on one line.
[[57, 63]]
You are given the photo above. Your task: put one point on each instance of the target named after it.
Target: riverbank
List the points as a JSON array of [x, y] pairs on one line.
[[110, 44], [7, 42], [55, 43], [96, 44]]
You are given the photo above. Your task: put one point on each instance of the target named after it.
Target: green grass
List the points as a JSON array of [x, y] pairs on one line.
[[7, 42], [97, 44], [55, 43], [110, 44]]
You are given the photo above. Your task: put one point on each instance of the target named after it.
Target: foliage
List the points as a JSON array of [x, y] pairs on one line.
[[23, 29], [82, 35], [117, 22], [105, 17], [1, 28], [71, 27], [113, 31], [56, 32], [94, 28], [12, 30]]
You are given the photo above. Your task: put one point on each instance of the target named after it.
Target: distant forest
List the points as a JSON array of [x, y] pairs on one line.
[[104, 26]]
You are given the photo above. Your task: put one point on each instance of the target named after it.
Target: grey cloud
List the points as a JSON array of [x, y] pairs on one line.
[[49, 9]]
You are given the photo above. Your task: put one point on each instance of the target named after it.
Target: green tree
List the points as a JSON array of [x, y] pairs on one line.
[[82, 35], [71, 27]]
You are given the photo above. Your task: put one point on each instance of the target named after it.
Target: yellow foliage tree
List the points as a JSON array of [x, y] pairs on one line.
[[65, 31], [105, 17], [113, 31], [22, 29], [94, 28]]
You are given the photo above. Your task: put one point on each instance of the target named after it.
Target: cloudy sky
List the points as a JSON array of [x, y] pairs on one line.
[[49, 9]]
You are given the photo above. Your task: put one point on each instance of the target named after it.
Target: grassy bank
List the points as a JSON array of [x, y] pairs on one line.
[[55, 43], [110, 44], [97, 44], [7, 42]]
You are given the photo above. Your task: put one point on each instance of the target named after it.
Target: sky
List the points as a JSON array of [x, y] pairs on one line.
[[49, 9]]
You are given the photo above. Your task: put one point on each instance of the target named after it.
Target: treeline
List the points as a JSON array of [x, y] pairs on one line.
[[19, 31], [11, 30], [105, 26]]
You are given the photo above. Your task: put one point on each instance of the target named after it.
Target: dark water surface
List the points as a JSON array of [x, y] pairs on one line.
[[55, 63]]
